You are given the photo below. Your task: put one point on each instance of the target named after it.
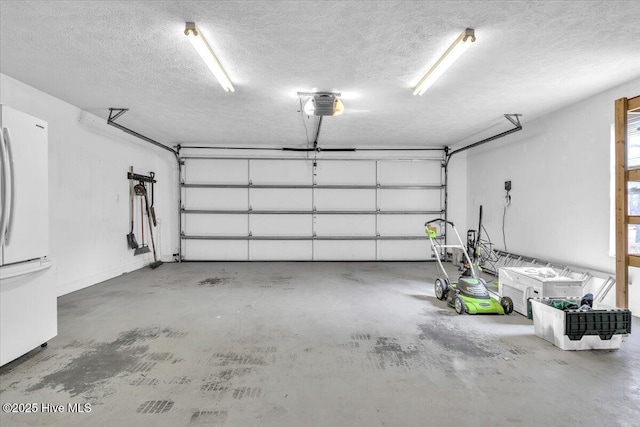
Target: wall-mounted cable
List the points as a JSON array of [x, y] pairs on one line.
[[507, 203]]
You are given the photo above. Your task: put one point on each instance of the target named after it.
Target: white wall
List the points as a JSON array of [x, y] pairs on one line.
[[559, 167], [89, 192]]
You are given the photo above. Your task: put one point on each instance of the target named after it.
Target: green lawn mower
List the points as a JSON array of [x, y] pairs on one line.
[[470, 293]]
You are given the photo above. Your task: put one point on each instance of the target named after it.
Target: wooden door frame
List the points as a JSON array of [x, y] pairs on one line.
[[623, 177]]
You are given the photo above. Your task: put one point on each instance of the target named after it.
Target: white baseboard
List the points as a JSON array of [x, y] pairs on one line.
[[84, 282]]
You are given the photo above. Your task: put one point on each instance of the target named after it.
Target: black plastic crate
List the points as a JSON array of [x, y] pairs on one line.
[[604, 323]]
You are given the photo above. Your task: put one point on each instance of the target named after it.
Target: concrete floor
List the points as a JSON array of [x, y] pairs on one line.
[[307, 344]]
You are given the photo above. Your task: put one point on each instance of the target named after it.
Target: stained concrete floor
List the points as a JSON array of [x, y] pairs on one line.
[[307, 344]]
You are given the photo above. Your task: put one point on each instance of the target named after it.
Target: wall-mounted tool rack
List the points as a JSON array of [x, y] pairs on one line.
[[141, 178]]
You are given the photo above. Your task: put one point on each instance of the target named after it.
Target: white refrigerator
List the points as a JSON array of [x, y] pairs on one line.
[[28, 303]]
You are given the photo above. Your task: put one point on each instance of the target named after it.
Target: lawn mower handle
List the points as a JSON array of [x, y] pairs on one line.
[[438, 220]]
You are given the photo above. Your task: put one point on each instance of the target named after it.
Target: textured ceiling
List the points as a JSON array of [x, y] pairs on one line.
[[529, 57]]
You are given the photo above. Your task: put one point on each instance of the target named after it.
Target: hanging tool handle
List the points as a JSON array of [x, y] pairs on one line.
[[152, 175], [131, 200], [153, 243], [152, 210], [142, 220]]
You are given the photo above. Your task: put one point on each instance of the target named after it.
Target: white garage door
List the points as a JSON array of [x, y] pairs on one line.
[[305, 209]]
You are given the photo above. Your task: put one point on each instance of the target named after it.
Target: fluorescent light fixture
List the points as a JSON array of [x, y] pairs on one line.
[[459, 46], [198, 41]]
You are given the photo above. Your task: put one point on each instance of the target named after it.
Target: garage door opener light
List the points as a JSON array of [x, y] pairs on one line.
[[322, 103]]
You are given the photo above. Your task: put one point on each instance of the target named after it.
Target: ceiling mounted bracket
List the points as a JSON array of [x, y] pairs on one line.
[[513, 118], [115, 113]]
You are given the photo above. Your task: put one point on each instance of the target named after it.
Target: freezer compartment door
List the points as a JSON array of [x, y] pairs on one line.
[[26, 200], [28, 308]]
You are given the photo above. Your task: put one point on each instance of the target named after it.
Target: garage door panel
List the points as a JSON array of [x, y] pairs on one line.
[[230, 225], [284, 250], [345, 225], [282, 225], [409, 172], [402, 225], [409, 199], [216, 198], [345, 200], [216, 250], [281, 172], [345, 250], [346, 173], [210, 171], [281, 198], [409, 250]]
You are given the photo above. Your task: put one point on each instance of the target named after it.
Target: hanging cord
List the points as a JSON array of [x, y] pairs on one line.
[[488, 257], [488, 246], [304, 123], [317, 122], [507, 203]]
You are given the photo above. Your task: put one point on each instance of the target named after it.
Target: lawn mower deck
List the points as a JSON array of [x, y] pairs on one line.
[[469, 295]]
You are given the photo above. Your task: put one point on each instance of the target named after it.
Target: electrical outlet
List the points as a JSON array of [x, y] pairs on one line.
[[507, 185]]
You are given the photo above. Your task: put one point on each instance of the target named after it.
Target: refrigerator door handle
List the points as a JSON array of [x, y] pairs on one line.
[[4, 208], [9, 219]]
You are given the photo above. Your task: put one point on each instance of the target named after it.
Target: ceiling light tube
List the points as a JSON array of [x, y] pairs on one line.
[[459, 46], [198, 41]]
